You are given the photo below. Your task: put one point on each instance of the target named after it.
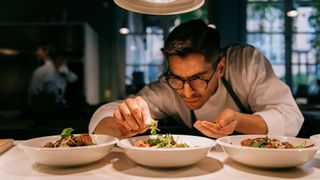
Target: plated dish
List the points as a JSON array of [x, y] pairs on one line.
[[160, 141], [271, 143], [67, 156], [302, 151], [69, 140], [167, 157]]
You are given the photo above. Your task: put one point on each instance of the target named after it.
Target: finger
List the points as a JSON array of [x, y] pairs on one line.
[[214, 128], [136, 111], [124, 131], [220, 122], [121, 121], [197, 124], [208, 132], [147, 119], [125, 112], [142, 130], [211, 125], [228, 129], [225, 117]]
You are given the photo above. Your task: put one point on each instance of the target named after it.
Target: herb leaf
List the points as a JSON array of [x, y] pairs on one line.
[[258, 144], [153, 127], [66, 132]]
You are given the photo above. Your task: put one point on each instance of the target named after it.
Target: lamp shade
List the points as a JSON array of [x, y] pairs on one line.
[[160, 7]]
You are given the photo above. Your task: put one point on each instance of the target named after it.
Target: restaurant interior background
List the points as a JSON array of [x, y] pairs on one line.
[[111, 64]]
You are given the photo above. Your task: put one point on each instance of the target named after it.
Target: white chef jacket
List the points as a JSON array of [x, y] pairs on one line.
[[47, 78], [252, 78]]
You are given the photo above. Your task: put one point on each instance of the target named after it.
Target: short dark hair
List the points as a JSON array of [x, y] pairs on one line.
[[49, 48], [193, 37]]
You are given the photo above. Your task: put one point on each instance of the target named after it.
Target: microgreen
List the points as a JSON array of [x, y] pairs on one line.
[[154, 127], [66, 132]]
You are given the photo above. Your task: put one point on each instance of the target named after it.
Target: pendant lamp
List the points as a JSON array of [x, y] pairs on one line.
[[160, 7]]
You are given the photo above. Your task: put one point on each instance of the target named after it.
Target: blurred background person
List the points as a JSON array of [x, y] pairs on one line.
[[49, 81]]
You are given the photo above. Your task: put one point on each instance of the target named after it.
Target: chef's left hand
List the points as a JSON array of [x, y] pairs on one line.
[[223, 125]]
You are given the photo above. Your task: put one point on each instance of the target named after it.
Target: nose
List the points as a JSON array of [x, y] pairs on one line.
[[187, 90]]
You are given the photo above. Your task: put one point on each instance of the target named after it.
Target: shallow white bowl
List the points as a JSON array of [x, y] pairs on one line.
[[268, 158], [315, 137], [70, 156], [168, 157]]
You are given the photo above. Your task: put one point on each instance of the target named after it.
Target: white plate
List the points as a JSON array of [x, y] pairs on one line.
[[168, 157], [315, 137], [70, 156], [268, 158]]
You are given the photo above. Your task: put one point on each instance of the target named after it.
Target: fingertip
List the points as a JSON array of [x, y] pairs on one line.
[[204, 123], [218, 123]]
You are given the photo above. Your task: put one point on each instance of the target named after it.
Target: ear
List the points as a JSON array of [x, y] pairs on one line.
[[221, 67]]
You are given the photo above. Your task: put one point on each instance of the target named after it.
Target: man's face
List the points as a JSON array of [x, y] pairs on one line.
[[190, 67], [40, 53]]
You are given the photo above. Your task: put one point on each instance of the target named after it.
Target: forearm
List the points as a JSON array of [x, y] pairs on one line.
[[250, 124]]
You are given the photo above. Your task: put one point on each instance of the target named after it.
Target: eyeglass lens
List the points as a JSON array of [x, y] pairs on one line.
[[195, 84]]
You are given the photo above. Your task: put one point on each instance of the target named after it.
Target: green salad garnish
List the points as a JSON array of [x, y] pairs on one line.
[[66, 132], [166, 141], [154, 127], [160, 141]]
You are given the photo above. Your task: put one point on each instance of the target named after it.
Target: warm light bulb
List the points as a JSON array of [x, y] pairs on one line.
[[212, 26], [292, 13], [9, 52], [124, 30]]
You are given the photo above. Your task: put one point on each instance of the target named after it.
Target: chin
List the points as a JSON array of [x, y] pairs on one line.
[[193, 106]]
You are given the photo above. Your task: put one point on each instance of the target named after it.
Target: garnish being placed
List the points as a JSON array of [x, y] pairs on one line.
[[70, 140], [265, 142], [161, 141], [153, 127]]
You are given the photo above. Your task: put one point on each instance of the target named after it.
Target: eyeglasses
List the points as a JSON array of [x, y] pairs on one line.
[[196, 84]]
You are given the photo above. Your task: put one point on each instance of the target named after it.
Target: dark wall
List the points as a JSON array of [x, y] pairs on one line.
[[15, 74], [230, 19]]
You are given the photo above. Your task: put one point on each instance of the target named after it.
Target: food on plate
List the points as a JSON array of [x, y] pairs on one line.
[[161, 141], [70, 140], [265, 142]]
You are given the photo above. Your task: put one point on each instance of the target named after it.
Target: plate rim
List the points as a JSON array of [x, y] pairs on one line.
[[23, 145], [212, 144]]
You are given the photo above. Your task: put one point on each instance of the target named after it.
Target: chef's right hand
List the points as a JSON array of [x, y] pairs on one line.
[[133, 116]]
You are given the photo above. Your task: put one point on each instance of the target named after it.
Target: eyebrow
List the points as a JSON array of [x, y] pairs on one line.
[[190, 77]]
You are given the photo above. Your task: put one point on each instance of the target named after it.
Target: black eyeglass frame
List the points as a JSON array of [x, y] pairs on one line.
[[168, 77]]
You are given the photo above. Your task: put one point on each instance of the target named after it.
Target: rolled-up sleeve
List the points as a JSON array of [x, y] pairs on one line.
[[272, 99]]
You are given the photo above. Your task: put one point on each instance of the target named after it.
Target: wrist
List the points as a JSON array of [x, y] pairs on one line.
[[237, 118], [236, 115]]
